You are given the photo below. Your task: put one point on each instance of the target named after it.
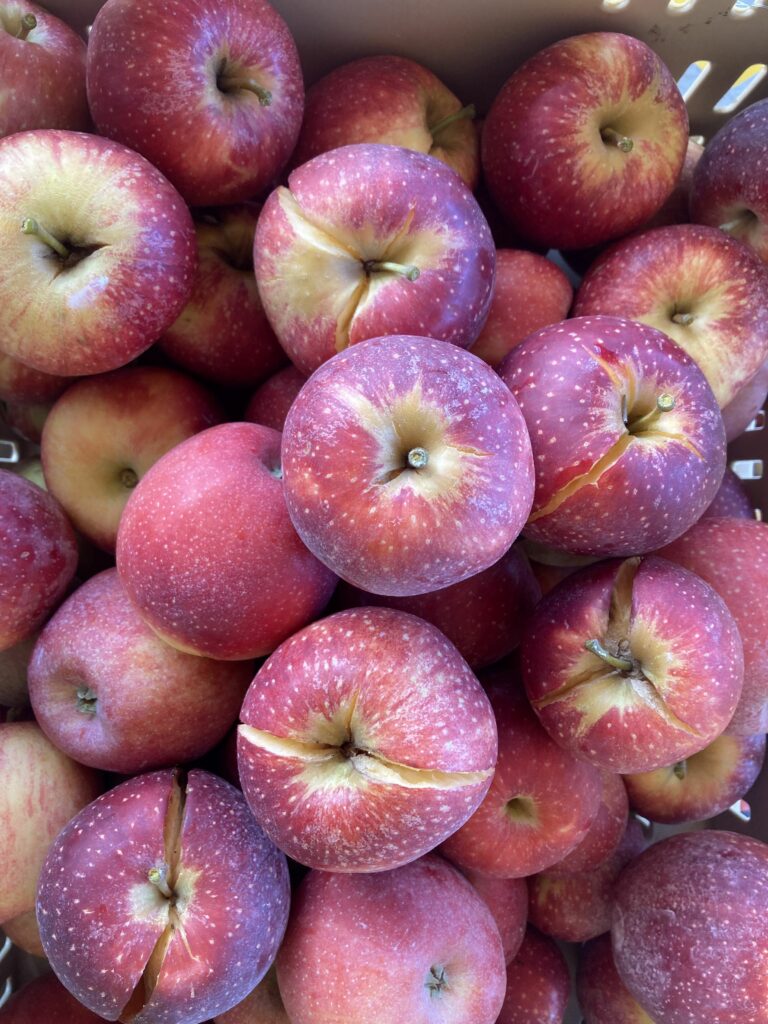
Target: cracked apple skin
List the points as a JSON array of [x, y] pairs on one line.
[[124, 949], [381, 520], [366, 740], [317, 240], [681, 673], [615, 475]]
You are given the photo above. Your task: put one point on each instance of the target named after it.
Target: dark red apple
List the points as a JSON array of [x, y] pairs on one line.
[[45, 999], [538, 983], [731, 500], [507, 900], [270, 402], [605, 832], [603, 996]]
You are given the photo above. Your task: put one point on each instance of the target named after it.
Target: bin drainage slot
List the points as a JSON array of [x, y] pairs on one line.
[[748, 469]]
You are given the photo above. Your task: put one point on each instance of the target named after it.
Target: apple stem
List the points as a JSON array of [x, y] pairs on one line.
[[405, 269], [622, 142], [129, 478], [30, 226], [622, 664], [232, 83], [664, 403], [680, 769], [683, 318], [159, 878], [28, 22], [418, 458], [464, 113]]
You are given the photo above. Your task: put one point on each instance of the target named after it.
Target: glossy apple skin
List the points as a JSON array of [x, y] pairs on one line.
[[507, 900], [730, 178], [600, 488], [576, 907], [42, 790], [45, 999], [697, 891], [262, 1006], [603, 996], [561, 794], [223, 334], [43, 75], [392, 100], [220, 571], [485, 616], [538, 983], [232, 886], [108, 308], [372, 202], [270, 402], [340, 922], [703, 785], [687, 664], [22, 383], [544, 160], [355, 502], [605, 832], [529, 292], [38, 557], [689, 269], [731, 500], [150, 706], [152, 85], [366, 740], [732, 556], [112, 424]]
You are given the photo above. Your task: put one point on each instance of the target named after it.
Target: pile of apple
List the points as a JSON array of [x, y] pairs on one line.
[[348, 545]]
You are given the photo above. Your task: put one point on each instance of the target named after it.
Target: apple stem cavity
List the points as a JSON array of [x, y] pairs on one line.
[[683, 318], [613, 138], [464, 113], [86, 700], [664, 403], [234, 83], [129, 478], [30, 226], [407, 270], [159, 878], [436, 982], [744, 220], [680, 770], [28, 22], [622, 664], [418, 458]]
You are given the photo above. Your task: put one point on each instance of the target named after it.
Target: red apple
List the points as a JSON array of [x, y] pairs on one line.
[[538, 983], [585, 141], [699, 786], [690, 929], [605, 832], [366, 740], [675, 207], [541, 802], [104, 433], [45, 999], [269, 404], [730, 189], [407, 467], [98, 252], [731, 500], [262, 1006], [43, 71], [628, 440], [416, 944], [211, 93], [530, 292], [109, 693], [223, 334], [220, 572], [633, 664], [732, 556], [393, 100], [507, 900], [38, 555], [161, 865], [23, 384], [485, 616], [706, 291], [603, 996], [370, 240]]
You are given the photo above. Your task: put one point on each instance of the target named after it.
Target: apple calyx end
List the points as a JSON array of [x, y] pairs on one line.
[[621, 664], [29, 226], [467, 113], [436, 981], [28, 22], [406, 270], [86, 700]]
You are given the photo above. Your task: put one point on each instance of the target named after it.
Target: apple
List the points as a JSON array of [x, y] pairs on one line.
[[484, 616], [603, 996], [633, 664], [13, 673], [23, 384], [38, 556], [550, 566], [220, 572], [690, 929], [699, 786], [394, 100], [606, 831], [104, 433], [110, 694], [628, 440], [369, 240], [98, 252], [407, 465], [24, 934], [366, 740], [705, 290], [585, 140], [45, 999], [270, 402], [507, 900], [675, 209], [538, 983], [223, 334], [43, 71], [732, 556], [262, 1006], [731, 500], [162, 864], [729, 189], [211, 93], [414, 944], [529, 292], [541, 801], [42, 789]]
